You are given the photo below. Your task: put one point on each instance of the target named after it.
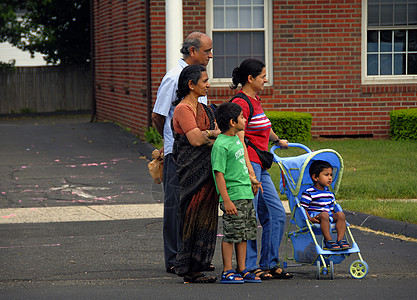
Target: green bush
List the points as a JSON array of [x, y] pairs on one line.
[[403, 124], [290, 125], [8, 65], [27, 110]]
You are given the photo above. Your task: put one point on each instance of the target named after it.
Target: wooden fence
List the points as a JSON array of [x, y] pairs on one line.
[[45, 89]]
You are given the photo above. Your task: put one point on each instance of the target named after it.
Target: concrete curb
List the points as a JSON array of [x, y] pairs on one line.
[[84, 213], [382, 224]]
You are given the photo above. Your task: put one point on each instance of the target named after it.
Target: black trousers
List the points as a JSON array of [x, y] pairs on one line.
[[171, 226]]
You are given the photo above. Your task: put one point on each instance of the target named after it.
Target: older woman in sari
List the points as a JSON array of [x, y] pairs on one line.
[[194, 132]]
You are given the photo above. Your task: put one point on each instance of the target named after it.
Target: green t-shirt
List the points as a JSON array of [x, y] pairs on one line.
[[227, 157]]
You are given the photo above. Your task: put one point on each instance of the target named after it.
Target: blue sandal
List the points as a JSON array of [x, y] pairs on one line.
[[331, 245], [231, 277], [343, 244], [249, 277]]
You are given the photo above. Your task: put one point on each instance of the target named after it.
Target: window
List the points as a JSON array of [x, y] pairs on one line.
[[239, 31], [391, 40]]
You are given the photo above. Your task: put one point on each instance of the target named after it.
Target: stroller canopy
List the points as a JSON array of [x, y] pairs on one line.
[[296, 169]]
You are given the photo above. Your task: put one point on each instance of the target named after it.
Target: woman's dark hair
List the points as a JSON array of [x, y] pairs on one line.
[[248, 67], [225, 112], [193, 73], [317, 166]]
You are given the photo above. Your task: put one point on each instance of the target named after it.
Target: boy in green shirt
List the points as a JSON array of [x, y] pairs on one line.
[[234, 185]]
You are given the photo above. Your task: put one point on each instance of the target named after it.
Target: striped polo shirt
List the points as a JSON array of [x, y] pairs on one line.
[[318, 201]]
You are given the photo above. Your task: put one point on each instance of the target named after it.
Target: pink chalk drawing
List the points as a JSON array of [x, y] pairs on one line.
[[90, 165], [9, 216]]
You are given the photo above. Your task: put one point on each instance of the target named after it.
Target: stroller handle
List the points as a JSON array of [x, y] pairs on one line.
[[297, 145]]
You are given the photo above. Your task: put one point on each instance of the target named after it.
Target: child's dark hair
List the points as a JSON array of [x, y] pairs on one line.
[[191, 72], [225, 112], [248, 67], [317, 166]]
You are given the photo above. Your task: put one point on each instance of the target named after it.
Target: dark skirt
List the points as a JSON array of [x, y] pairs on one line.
[[200, 217]]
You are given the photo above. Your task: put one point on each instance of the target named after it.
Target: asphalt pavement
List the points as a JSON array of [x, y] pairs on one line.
[[81, 218]]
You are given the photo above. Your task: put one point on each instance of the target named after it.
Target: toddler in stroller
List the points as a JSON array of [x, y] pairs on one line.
[[313, 238], [319, 203]]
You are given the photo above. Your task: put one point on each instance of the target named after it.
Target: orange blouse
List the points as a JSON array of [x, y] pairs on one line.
[[185, 118]]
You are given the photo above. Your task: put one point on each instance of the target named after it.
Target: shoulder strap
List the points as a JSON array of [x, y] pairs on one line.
[[244, 97], [249, 143]]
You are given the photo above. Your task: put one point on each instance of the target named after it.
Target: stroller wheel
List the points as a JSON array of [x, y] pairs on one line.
[[318, 270], [358, 269]]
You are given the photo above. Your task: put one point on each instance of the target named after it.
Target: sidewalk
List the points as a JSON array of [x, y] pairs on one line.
[[64, 169]]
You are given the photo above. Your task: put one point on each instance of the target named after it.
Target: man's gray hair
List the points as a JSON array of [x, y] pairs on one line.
[[192, 40]]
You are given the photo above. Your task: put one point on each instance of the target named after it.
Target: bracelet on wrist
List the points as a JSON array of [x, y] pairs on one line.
[[277, 141], [208, 133]]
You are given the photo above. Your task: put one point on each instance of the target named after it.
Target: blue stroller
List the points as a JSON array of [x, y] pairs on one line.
[[307, 240]]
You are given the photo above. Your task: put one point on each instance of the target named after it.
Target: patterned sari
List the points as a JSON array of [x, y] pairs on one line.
[[199, 202]]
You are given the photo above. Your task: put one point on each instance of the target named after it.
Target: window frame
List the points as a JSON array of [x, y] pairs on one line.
[[268, 12], [379, 79]]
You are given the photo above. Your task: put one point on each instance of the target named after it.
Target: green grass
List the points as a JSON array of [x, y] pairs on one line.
[[378, 175]]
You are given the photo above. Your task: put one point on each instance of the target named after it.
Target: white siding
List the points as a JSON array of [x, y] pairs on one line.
[[8, 52]]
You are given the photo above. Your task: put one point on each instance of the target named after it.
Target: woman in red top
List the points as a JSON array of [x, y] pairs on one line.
[[269, 209]]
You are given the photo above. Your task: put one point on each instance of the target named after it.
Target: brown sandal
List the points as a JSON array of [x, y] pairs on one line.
[[261, 274], [280, 275], [200, 278]]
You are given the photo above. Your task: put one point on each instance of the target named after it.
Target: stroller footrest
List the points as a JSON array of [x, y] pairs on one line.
[[354, 249]]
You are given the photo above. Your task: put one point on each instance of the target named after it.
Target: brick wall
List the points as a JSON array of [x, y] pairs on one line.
[[317, 65], [120, 60], [326, 79], [120, 56]]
